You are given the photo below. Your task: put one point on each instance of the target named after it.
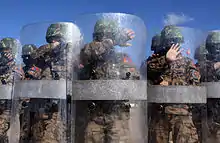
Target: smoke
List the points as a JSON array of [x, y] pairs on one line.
[[174, 19]]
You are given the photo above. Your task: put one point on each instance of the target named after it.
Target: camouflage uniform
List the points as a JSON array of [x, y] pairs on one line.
[[8, 71], [210, 74], [155, 46], [51, 59], [199, 111], [177, 125], [31, 72], [106, 121]]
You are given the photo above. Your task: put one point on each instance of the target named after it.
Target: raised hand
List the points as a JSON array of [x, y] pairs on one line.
[[130, 35], [173, 53]]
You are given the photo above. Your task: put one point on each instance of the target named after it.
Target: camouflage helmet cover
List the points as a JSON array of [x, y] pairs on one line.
[[155, 42], [213, 37], [28, 49], [171, 32], [10, 43], [105, 26], [58, 31]]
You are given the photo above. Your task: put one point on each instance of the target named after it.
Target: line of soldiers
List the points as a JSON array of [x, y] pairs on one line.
[[178, 122], [107, 121]]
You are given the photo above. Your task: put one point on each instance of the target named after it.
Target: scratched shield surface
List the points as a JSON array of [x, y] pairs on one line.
[[176, 94], [210, 78], [40, 98], [9, 71], [108, 80]]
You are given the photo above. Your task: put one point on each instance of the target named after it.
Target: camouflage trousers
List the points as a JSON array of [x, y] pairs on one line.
[[214, 132], [48, 130], [103, 127], [179, 129], [45, 124], [4, 126], [108, 129]]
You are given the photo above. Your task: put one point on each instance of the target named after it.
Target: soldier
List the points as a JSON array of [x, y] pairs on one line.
[[31, 71], [8, 71], [51, 59], [155, 45], [210, 73], [101, 62], [169, 67]]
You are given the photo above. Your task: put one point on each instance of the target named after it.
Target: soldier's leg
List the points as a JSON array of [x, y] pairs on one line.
[[183, 130], [4, 125], [117, 127], [94, 133], [48, 127], [24, 122], [161, 130]]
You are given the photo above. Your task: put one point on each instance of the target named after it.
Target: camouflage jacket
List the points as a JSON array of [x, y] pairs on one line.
[[101, 61], [208, 72], [14, 73], [180, 72], [54, 59]]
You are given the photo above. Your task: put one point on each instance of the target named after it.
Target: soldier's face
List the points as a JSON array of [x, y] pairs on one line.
[[27, 59], [6, 50], [55, 43]]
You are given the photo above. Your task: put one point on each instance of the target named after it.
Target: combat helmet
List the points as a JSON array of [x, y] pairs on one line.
[[58, 31], [200, 52], [10, 43], [155, 43], [105, 28], [171, 35], [28, 49], [213, 42]]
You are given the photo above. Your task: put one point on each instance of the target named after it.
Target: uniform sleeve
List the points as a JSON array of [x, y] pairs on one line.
[[156, 63], [155, 67], [95, 50], [194, 74], [207, 70]]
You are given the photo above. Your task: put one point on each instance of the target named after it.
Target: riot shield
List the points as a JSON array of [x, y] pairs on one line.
[[210, 77], [8, 71], [47, 53], [109, 94], [177, 111]]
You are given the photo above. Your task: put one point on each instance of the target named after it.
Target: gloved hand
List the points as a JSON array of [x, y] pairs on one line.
[[34, 72]]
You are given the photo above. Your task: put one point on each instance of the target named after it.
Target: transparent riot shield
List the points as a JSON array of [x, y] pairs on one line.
[[209, 59], [8, 71], [176, 107], [109, 94], [40, 99]]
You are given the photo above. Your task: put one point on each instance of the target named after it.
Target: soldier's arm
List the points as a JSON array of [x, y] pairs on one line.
[[157, 62], [155, 67], [194, 74], [5, 67], [95, 50], [208, 70]]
